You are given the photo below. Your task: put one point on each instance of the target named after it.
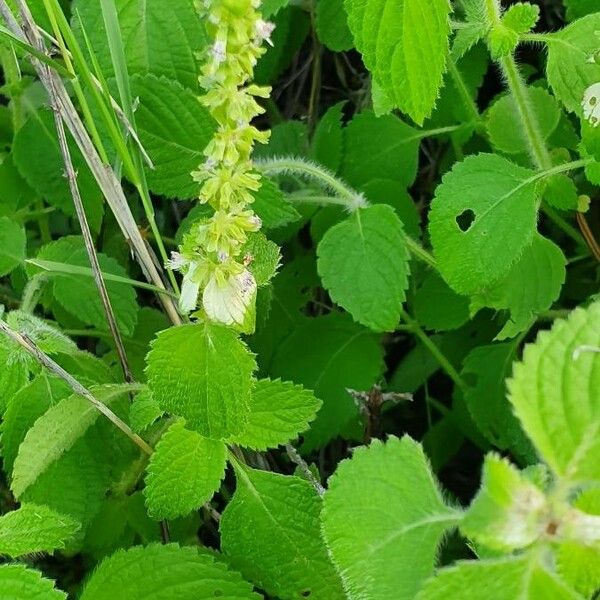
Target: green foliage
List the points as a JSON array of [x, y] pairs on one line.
[[19, 582], [184, 471], [363, 263], [153, 571], [518, 19], [396, 509], [388, 33], [12, 244], [33, 528], [270, 532], [204, 374]]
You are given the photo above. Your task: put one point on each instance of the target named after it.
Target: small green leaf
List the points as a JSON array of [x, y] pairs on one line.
[[270, 532], [520, 18], [144, 411], [332, 25], [55, 432], [404, 44], [500, 579], [34, 528], [203, 373], [279, 411], [481, 220], [265, 257], [328, 139], [156, 571], [272, 207], [383, 506], [509, 512], [12, 245], [554, 393], [569, 70], [184, 472], [363, 263], [17, 582]]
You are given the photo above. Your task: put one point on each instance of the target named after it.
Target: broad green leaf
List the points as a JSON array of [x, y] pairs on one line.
[[380, 148], [383, 520], [204, 374], [579, 8], [55, 432], [23, 410], [270, 532], [554, 392], [532, 285], [504, 123], [144, 411], [34, 528], [404, 44], [332, 25], [46, 337], [268, 8], [162, 39], [485, 369], [184, 472], [14, 373], [328, 139], [363, 263], [88, 306], [14, 191], [437, 306], [342, 355], [579, 564], [499, 579], [17, 582], [279, 412], [569, 69], [509, 512], [265, 257], [12, 245], [481, 220], [272, 207], [174, 128], [155, 572], [37, 138]]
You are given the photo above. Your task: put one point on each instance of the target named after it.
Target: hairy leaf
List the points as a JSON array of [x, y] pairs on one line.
[[204, 374], [382, 506], [482, 218], [279, 411], [184, 471], [34, 528], [554, 391], [155, 572], [17, 582], [270, 532]]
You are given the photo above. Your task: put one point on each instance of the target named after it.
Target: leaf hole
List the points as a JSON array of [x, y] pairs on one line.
[[306, 593], [465, 220], [218, 593]]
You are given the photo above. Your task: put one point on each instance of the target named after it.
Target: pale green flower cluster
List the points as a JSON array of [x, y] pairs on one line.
[[211, 256]]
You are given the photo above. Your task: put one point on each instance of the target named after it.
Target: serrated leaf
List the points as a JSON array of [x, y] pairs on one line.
[[379, 147], [160, 39], [396, 512], [519, 19], [328, 140], [268, 8], [37, 137], [363, 263], [144, 411], [343, 355], [34, 528], [46, 337], [270, 532], [24, 408], [554, 392], [509, 512], [17, 582], [332, 25], [155, 571], [485, 369], [532, 285], [437, 306], [569, 70], [482, 218], [272, 207], [279, 411], [55, 432], [12, 245], [501, 579], [174, 129], [265, 257], [204, 374], [504, 126], [184, 472], [404, 44]]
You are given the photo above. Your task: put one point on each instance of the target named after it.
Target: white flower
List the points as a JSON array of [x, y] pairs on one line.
[[229, 303], [591, 104], [264, 30], [219, 52], [188, 300], [177, 261]]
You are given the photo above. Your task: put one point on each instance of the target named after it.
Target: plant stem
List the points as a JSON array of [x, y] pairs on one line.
[[32, 292], [419, 252], [435, 351], [295, 457], [463, 91], [29, 346]]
